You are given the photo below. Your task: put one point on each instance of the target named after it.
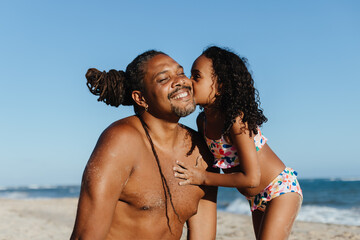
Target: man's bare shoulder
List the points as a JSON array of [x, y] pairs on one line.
[[117, 143], [124, 130]]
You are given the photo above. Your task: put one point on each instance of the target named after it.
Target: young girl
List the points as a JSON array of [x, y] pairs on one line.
[[230, 122]]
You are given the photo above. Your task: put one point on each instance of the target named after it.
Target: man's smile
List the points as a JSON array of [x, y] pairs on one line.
[[180, 93]]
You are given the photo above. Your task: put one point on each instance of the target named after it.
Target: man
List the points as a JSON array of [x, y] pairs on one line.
[[128, 189]]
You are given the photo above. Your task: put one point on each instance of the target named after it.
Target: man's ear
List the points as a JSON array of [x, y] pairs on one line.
[[139, 99]]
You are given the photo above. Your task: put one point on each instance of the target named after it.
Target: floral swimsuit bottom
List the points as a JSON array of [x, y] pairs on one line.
[[285, 182]]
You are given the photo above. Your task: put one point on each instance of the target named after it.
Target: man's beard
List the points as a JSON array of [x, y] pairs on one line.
[[184, 111]]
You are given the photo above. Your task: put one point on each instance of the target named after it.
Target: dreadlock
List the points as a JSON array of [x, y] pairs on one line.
[[163, 179]]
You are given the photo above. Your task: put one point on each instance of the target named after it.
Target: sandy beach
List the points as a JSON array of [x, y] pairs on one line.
[[40, 219]]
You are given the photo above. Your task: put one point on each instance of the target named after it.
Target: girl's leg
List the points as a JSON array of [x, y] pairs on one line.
[[257, 217], [279, 217]]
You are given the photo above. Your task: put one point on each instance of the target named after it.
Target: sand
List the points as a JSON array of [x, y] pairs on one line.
[[40, 219]]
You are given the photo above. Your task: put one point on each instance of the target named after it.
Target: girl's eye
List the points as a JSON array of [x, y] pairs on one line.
[[195, 77]]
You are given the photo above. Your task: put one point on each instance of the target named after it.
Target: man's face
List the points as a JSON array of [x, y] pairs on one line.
[[167, 89]]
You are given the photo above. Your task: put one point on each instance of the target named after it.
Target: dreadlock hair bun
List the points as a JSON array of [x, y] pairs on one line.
[[109, 86], [115, 87]]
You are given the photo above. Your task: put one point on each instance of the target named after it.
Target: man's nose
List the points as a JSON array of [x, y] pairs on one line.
[[178, 81]]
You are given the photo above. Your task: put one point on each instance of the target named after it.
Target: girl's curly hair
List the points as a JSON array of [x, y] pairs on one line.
[[238, 95]]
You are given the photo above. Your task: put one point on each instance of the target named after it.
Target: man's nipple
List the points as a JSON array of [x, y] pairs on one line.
[[145, 207]]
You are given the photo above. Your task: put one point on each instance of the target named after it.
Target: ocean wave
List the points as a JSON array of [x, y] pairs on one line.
[[309, 213], [324, 214], [38, 191], [14, 195], [335, 179], [355, 179], [36, 187], [239, 205]]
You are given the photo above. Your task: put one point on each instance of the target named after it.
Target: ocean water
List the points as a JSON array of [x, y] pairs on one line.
[[325, 200], [35, 191]]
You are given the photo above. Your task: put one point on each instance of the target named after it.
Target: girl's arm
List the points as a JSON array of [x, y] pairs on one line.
[[248, 177]]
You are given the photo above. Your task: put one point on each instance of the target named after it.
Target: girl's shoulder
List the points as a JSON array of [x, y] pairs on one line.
[[238, 126]]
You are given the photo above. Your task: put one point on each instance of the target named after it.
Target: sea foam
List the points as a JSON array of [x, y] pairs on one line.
[[308, 213]]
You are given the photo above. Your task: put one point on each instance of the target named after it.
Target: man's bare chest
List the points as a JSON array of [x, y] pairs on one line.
[[152, 184]]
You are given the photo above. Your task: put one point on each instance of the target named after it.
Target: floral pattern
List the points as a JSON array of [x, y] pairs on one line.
[[226, 155], [284, 183]]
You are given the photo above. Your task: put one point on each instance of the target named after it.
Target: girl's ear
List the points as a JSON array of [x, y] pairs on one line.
[[139, 99]]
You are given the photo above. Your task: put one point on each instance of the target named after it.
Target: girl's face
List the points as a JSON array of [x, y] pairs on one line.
[[204, 81]]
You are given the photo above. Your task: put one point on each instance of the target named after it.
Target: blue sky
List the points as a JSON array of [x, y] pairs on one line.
[[304, 55]]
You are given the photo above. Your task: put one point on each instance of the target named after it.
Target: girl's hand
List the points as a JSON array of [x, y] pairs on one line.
[[192, 175]]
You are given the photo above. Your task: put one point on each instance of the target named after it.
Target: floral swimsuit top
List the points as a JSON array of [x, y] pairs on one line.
[[226, 155]]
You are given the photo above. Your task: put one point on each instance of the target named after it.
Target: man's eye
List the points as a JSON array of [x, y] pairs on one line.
[[163, 80]]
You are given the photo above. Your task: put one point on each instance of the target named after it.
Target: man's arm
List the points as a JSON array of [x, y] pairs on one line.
[[103, 181], [202, 226]]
